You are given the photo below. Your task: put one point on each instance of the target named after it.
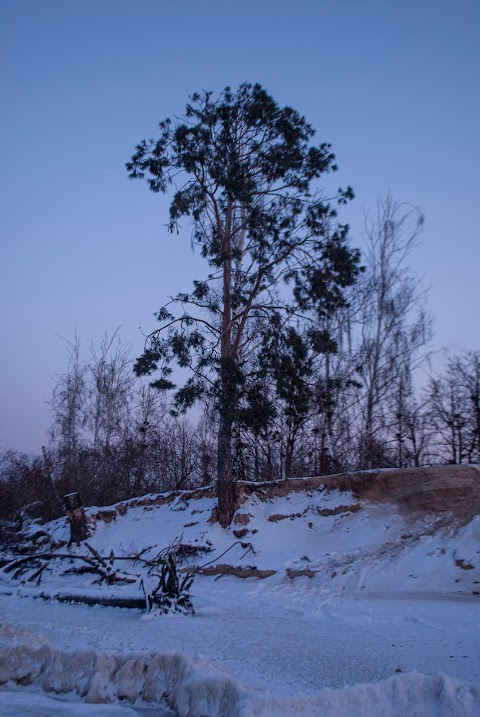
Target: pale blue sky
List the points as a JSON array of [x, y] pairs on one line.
[[393, 84]]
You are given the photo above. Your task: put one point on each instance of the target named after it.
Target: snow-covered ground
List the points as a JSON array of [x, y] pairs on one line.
[[388, 623]]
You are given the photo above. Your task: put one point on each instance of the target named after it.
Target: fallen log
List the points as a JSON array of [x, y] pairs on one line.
[[103, 600]]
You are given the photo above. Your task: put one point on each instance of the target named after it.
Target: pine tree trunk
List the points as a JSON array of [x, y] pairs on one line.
[[226, 493], [289, 457], [225, 477], [269, 463]]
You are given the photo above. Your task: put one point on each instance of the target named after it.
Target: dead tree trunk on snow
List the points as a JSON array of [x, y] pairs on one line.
[[76, 518]]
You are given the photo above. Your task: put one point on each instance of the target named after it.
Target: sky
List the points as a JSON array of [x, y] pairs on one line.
[[392, 84]]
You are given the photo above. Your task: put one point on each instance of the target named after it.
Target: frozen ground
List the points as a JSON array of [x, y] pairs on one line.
[[390, 599], [286, 651], [268, 639]]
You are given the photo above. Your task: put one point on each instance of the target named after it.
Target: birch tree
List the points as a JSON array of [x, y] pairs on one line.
[[394, 324]]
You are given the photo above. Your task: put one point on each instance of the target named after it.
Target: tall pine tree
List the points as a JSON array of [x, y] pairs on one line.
[[245, 172]]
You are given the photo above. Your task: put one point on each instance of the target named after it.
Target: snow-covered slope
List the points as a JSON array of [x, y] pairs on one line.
[[290, 530], [318, 583]]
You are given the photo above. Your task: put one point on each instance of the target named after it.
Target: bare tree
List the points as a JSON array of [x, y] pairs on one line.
[[91, 406], [467, 370], [454, 404], [395, 325], [110, 391], [69, 396], [412, 428]]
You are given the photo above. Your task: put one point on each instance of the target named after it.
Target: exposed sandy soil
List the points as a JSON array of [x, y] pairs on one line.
[[453, 491]]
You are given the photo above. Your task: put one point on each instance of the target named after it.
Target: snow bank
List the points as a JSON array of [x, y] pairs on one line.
[[21, 704], [195, 687], [412, 694], [191, 686]]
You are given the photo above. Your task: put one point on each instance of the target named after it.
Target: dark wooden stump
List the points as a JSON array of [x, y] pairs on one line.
[[76, 518]]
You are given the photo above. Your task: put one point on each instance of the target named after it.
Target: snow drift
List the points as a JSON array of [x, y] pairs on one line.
[[196, 688]]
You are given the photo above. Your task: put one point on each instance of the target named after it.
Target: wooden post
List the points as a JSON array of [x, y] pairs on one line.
[[76, 518]]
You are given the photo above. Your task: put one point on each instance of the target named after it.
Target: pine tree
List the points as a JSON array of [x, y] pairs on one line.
[[244, 171]]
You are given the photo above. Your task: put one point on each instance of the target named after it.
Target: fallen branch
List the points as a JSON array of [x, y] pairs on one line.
[[96, 564], [45, 556], [249, 548], [171, 593]]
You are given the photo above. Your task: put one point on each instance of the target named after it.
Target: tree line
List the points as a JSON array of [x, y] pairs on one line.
[[300, 353], [113, 436]]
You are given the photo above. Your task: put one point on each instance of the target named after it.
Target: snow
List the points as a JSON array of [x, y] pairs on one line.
[[194, 686], [389, 624], [20, 704]]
